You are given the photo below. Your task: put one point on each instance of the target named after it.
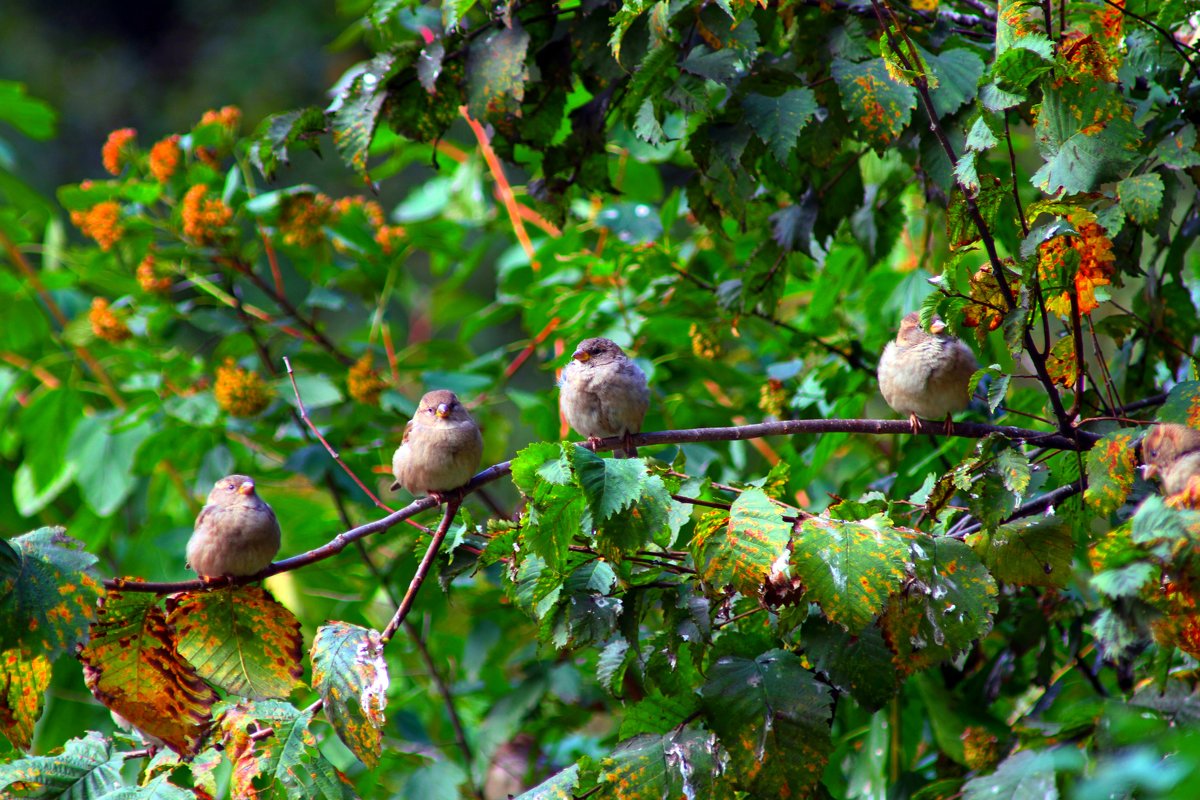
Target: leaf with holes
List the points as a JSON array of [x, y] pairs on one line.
[[240, 639], [352, 677], [879, 106], [948, 604], [1028, 552], [849, 568], [772, 716], [24, 677], [743, 552], [679, 764], [1111, 468], [132, 667], [54, 588], [288, 761], [86, 767]]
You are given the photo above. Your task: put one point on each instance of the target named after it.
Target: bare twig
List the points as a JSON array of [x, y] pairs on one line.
[[422, 570]]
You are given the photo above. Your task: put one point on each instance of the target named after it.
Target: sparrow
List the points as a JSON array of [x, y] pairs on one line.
[[926, 374], [603, 393], [236, 532], [1172, 454], [441, 448]]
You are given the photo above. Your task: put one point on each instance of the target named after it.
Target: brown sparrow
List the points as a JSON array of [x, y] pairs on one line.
[[1172, 454], [926, 374], [441, 447], [236, 532], [603, 393]]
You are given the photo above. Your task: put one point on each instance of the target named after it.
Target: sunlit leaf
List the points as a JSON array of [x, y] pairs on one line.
[[742, 552], [352, 677]]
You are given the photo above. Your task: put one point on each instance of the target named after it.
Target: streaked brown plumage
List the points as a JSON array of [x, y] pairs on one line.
[[441, 448], [926, 373], [236, 532]]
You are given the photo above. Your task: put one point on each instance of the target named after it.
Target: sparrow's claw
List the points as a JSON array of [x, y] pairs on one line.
[[593, 442], [915, 423], [630, 451], [949, 427]]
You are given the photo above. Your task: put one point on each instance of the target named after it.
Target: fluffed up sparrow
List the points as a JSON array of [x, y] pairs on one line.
[[926, 373], [1172, 454], [603, 393], [441, 448], [236, 532]]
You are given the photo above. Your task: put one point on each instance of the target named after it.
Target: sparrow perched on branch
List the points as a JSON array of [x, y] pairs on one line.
[[236, 532], [1172, 454], [603, 393], [441, 447], [926, 373]]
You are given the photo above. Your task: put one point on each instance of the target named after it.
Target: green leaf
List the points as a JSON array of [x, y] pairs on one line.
[[32, 117], [558, 787], [957, 73], [681, 764], [1111, 468], [87, 767], [240, 639], [849, 568], [496, 73], [773, 718], [1178, 151], [1026, 774], [351, 675], [658, 713], [743, 552], [317, 391], [609, 484], [1127, 581], [103, 457], [860, 664], [356, 111], [278, 134], [779, 120], [878, 106], [1035, 552], [53, 595], [1141, 197]]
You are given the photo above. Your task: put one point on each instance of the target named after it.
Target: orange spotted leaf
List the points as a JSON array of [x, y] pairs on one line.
[[743, 552], [352, 677], [678, 764], [496, 73], [240, 639], [285, 762], [23, 681], [1061, 364], [1111, 467], [878, 105], [53, 593], [772, 716], [1183, 405], [1028, 552], [849, 568], [132, 667]]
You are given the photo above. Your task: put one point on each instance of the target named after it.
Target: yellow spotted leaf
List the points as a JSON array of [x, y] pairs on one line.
[[849, 568], [132, 667], [878, 105], [23, 681], [1111, 467], [742, 552], [240, 639], [274, 754], [352, 677]]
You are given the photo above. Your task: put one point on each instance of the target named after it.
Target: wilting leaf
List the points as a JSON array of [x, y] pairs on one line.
[[240, 639], [86, 767], [352, 677], [878, 105], [680, 764], [742, 553], [23, 681], [1111, 468], [132, 667], [54, 588]]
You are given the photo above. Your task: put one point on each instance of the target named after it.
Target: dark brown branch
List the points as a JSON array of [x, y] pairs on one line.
[[1035, 506]]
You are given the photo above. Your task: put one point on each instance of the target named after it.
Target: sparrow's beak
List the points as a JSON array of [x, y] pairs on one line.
[[246, 488], [1149, 471], [937, 326], [581, 356], [443, 410]]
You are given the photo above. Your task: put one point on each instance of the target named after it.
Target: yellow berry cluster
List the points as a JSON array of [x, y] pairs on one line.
[[772, 398], [105, 323], [204, 217], [240, 392], [704, 343], [101, 222], [364, 382]]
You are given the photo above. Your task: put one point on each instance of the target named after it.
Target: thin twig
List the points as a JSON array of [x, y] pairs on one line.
[[422, 570]]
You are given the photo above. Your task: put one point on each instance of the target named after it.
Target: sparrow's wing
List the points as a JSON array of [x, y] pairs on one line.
[[407, 430], [202, 516]]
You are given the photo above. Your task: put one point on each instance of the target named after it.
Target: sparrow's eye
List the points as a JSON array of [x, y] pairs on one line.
[[228, 487]]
